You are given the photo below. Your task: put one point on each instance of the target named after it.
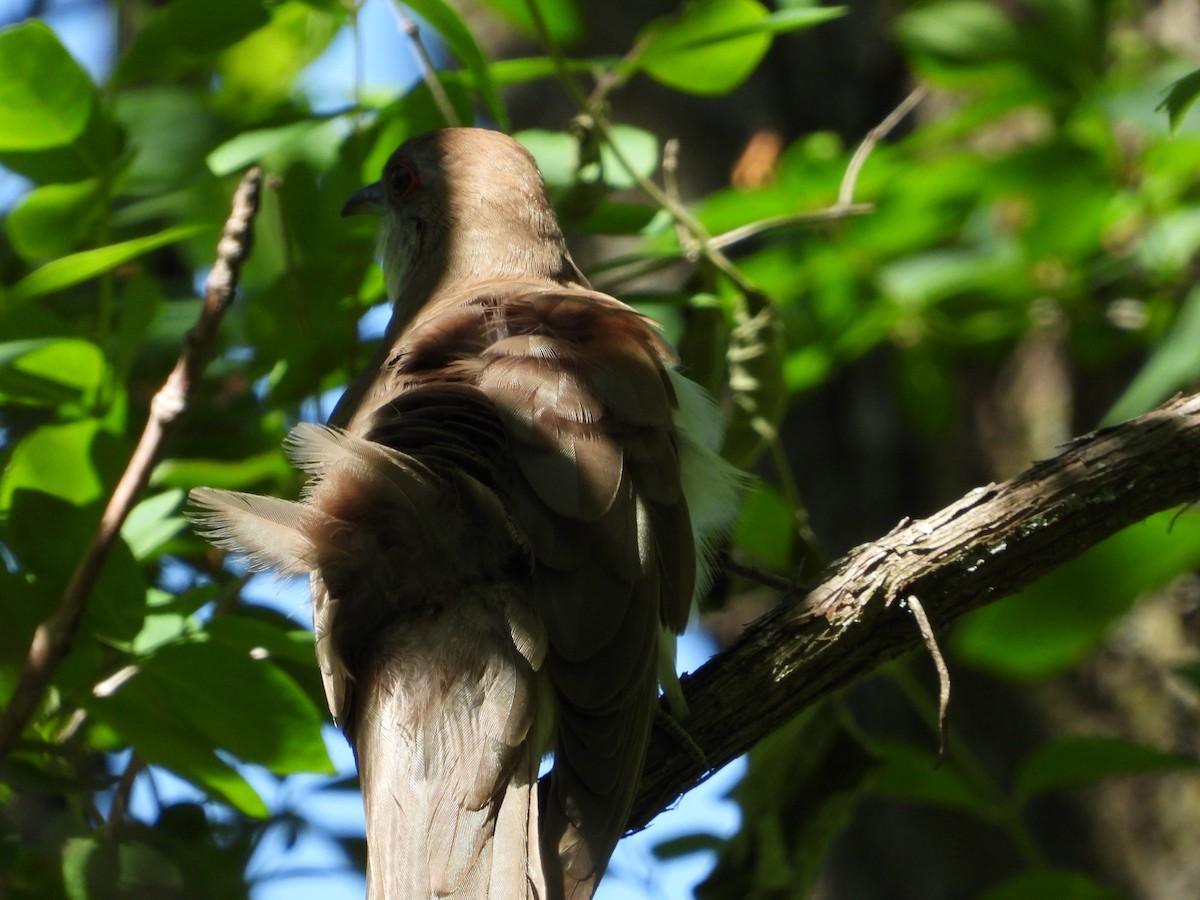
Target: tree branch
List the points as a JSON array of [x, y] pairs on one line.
[[987, 545], [54, 637]]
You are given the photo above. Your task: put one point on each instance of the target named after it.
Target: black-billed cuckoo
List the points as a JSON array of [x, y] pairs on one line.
[[496, 535]]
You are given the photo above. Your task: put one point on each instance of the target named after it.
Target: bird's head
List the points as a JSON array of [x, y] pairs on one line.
[[462, 205]]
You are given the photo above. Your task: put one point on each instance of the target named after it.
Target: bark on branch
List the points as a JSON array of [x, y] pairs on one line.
[[987, 545]]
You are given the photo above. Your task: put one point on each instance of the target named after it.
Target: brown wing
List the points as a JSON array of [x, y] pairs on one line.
[[579, 379]]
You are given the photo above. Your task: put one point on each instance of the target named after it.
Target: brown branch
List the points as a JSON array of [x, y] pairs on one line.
[[987, 545], [55, 636]]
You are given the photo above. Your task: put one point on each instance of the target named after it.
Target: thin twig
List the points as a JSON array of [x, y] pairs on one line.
[[771, 223], [755, 574], [913, 605], [54, 637], [874, 136], [120, 801], [670, 169], [428, 69]]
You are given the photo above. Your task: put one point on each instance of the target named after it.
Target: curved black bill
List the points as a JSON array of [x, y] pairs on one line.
[[365, 200]]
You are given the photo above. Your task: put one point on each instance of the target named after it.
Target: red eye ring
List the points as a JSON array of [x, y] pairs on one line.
[[401, 179]]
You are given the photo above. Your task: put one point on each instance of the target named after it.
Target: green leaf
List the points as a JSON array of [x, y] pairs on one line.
[[314, 141], [259, 73], [766, 529], [55, 460], [1053, 624], [187, 35], [462, 44], [237, 474], [1181, 97], [958, 32], [153, 522], [1077, 761], [1174, 364], [52, 125], [562, 17], [1052, 884], [908, 773], [78, 267], [95, 870], [46, 99], [50, 220], [222, 698], [51, 372], [712, 46]]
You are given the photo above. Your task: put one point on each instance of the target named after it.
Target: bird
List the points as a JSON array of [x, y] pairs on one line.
[[498, 536]]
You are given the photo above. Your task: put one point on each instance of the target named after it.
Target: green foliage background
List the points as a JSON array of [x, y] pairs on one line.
[[1037, 208]]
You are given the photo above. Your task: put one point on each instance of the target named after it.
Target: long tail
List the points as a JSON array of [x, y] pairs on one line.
[[429, 654]]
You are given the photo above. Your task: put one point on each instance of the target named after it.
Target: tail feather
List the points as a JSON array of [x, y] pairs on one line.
[[272, 533]]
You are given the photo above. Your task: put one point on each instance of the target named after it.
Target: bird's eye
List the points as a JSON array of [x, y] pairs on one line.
[[401, 179]]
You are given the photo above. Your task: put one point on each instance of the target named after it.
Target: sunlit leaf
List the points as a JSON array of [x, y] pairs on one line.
[[312, 140], [45, 97], [51, 220], [71, 270], [712, 46], [51, 371]]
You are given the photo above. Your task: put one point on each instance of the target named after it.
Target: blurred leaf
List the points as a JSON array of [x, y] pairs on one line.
[[71, 270], [238, 474], [1056, 622], [171, 129], [1073, 762], [1051, 884], [558, 156], [462, 44], [153, 522], [186, 35], [908, 773], [712, 46], [1170, 242], [260, 71], [687, 844], [50, 371], [927, 388], [766, 529], [312, 140], [46, 99], [1181, 98], [562, 17], [96, 870], [959, 32], [51, 220], [52, 125], [1174, 364], [506, 72], [55, 460]]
